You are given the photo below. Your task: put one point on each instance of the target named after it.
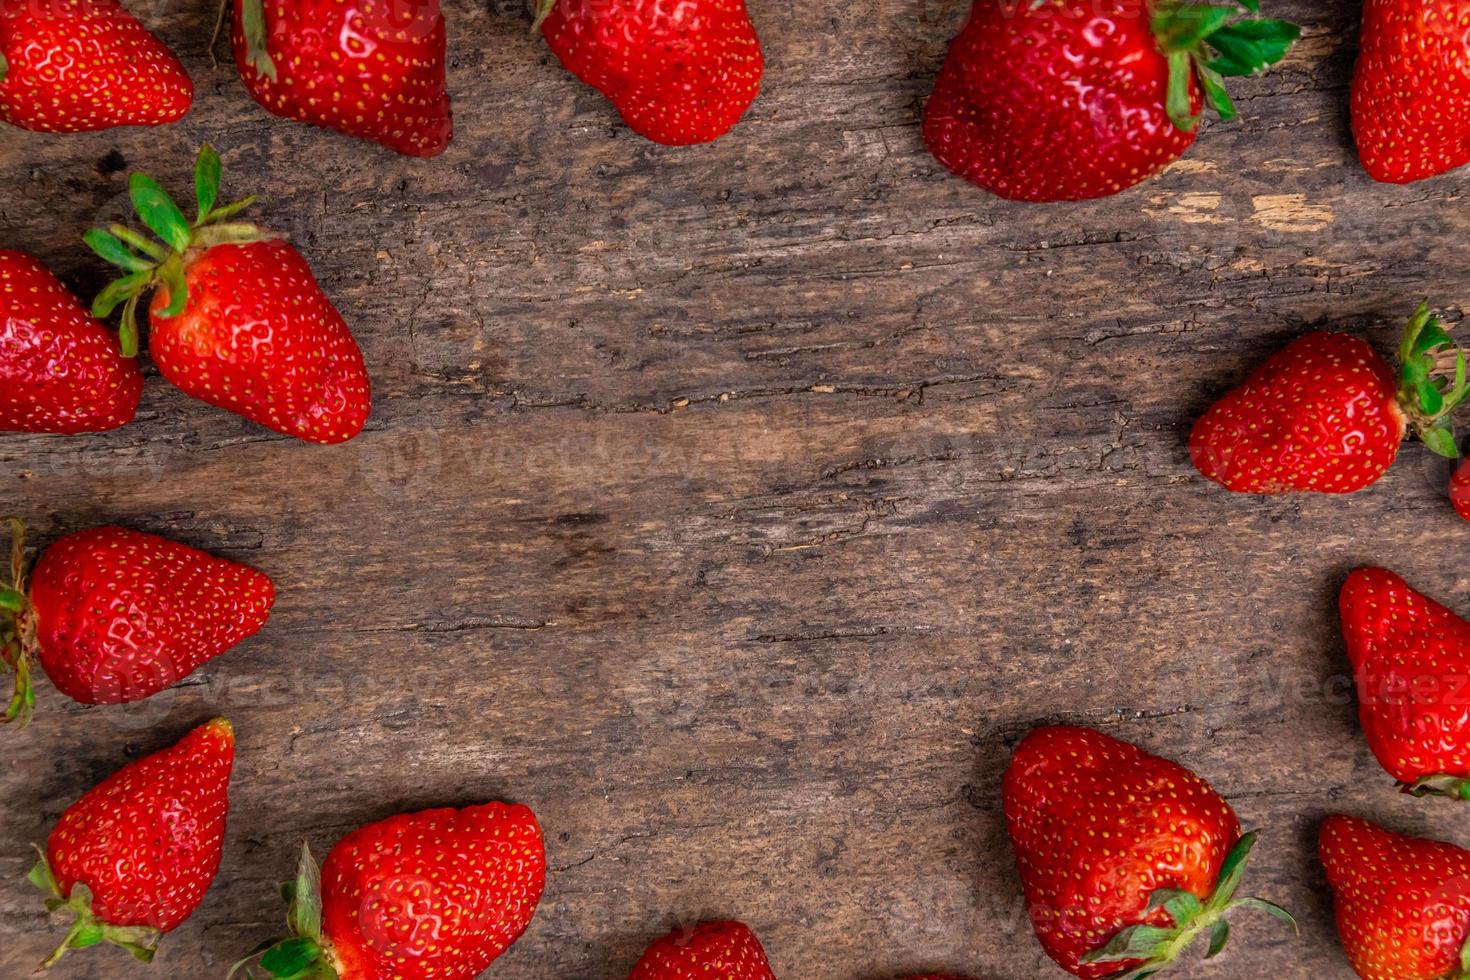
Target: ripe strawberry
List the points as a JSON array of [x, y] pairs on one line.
[[374, 69], [1125, 858], [679, 73], [709, 951], [436, 895], [1460, 488], [1411, 89], [134, 856], [238, 319], [1403, 903], [60, 370], [1411, 661], [1324, 414], [1074, 99], [116, 616], [73, 66]]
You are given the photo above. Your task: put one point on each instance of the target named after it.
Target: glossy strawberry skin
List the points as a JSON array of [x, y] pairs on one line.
[[117, 73], [1460, 489], [1402, 903], [679, 73], [723, 950], [121, 615], [60, 370], [1411, 661], [1411, 89], [147, 840], [373, 69], [1321, 415], [259, 338], [436, 895], [1055, 102], [1097, 826]]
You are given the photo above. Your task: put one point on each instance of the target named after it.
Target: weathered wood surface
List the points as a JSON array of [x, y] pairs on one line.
[[739, 507]]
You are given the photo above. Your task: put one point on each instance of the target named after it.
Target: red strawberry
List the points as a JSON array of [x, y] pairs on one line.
[[1403, 903], [709, 951], [679, 73], [1411, 661], [60, 370], [1460, 488], [1411, 90], [72, 66], [1074, 99], [116, 616], [374, 69], [1125, 858], [436, 895], [238, 319], [1324, 414], [133, 857]]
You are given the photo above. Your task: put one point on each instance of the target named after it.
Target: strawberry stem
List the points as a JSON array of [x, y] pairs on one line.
[[1205, 42], [1159, 946], [86, 928], [17, 631]]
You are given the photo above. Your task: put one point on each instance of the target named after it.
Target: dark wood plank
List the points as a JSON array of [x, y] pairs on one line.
[[740, 507]]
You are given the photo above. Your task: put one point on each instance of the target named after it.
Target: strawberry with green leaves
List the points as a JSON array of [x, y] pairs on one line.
[[1063, 100], [115, 616], [679, 73], [60, 370], [1411, 663], [708, 951], [133, 858], [1125, 858], [435, 895], [1328, 414], [74, 66], [237, 317], [1402, 903], [373, 69], [1411, 89]]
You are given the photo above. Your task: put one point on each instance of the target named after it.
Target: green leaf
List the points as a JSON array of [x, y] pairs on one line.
[[1133, 943], [1249, 47], [1182, 27], [111, 249], [305, 914], [1178, 100], [172, 274], [1232, 869], [119, 290], [1254, 6], [88, 935], [290, 956], [1219, 936], [1440, 439], [159, 212], [4, 66], [207, 173], [40, 875], [12, 601], [1431, 400], [1184, 908], [230, 210], [1216, 94], [1433, 337], [1272, 909], [127, 330], [252, 16]]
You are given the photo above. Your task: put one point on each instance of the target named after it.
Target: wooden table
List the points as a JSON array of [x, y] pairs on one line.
[[740, 507]]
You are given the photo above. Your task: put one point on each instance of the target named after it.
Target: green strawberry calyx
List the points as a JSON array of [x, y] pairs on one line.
[[305, 954], [86, 928], [543, 11], [1158, 946], [17, 630], [257, 37], [1440, 784], [1426, 395], [147, 263], [1209, 42]]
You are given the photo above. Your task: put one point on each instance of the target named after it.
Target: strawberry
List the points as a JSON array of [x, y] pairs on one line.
[[709, 951], [60, 370], [116, 616], [1411, 89], [1411, 662], [436, 895], [1327, 414], [238, 319], [1125, 858], [1403, 903], [679, 73], [132, 859], [73, 66], [374, 69], [1063, 100], [1460, 488]]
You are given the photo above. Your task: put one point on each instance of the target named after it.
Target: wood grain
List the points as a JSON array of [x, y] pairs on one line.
[[739, 507]]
